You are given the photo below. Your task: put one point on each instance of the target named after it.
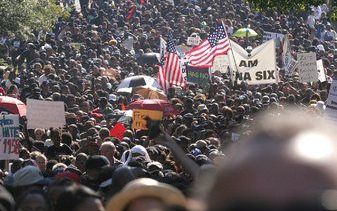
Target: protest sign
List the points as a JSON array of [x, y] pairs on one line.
[[118, 131], [321, 71], [331, 106], [9, 136], [307, 67], [257, 67], [198, 76], [139, 118], [193, 41], [45, 114], [273, 36], [288, 61], [220, 64]]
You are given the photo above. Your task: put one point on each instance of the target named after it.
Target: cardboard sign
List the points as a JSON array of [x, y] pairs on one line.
[[331, 106], [256, 67], [220, 64], [139, 116], [321, 71], [118, 131], [45, 114], [198, 76], [193, 41], [9, 136], [307, 67]]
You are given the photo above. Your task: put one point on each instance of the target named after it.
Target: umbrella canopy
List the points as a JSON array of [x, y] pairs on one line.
[[12, 105], [149, 93], [154, 104], [245, 32], [139, 80]]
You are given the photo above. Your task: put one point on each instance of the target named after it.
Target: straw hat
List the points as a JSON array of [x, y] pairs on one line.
[[148, 188]]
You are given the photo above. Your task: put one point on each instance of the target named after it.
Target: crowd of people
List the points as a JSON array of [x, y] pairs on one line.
[[80, 167]]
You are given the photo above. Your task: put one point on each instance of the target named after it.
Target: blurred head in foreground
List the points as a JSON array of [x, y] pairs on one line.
[[146, 195], [290, 163]]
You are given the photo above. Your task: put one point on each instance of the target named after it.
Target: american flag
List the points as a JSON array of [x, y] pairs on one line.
[[203, 55], [170, 72]]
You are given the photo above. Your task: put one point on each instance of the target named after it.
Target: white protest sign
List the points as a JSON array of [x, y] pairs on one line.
[[45, 114], [9, 136], [220, 64], [321, 71], [273, 36], [257, 67], [193, 41], [331, 107], [307, 67], [288, 61]]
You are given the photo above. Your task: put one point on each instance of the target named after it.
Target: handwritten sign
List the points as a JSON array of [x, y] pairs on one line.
[[45, 114], [220, 64], [139, 118], [193, 41], [198, 76], [9, 136], [307, 67]]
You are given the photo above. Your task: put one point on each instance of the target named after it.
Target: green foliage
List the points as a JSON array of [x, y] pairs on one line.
[[284, 5], [292, 6], [26, 16], [333, 14]]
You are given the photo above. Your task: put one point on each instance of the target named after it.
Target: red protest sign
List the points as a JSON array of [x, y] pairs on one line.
[[117, 131]]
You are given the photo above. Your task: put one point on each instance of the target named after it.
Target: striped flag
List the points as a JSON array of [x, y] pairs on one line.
[[170, 72], [133, 8], [203, 55], [131, 12]]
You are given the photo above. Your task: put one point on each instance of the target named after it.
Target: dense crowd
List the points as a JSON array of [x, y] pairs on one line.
[[80, 167]]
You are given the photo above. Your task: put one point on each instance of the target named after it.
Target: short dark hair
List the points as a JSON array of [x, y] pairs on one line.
[[73, 196]]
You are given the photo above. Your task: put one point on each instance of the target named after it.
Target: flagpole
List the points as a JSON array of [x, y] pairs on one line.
[[232, 55]]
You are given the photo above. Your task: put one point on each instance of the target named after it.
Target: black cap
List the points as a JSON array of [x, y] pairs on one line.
[[96, 162]]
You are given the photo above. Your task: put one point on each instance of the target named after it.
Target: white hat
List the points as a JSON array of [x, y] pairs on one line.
[[320, 47]]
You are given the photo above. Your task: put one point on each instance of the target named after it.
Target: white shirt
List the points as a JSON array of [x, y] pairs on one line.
[[42, 79], [311, 21]]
